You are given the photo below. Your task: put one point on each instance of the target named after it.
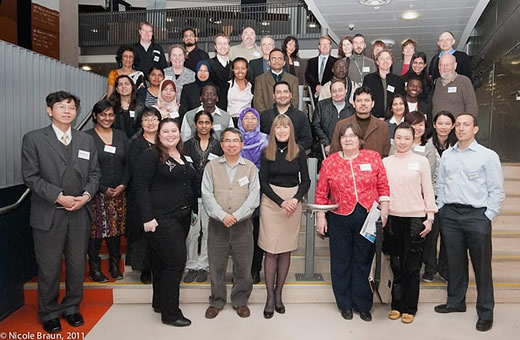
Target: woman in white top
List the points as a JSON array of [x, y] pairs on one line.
[[239, 95]]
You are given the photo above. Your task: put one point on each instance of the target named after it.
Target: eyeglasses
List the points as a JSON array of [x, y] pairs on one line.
[[250, 118], [231, 141], [63, 107], [150, 120]]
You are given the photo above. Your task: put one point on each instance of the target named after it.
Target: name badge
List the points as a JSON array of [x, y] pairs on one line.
[[156, 59], [391, 141], [419, 148], [452, 89], [413, 166], [473, 175], [217, 127], [188, 158], [168, 77], [365, 167], [256, 54], [84, 154], [296, 63], [157, 51], [132, 114], [390, 88], [110, 149], [212, 156], [366, 69], [243, 181]]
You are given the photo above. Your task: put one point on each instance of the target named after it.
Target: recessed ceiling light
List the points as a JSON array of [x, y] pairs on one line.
[[86, 68], [410, 15], [374, 3]]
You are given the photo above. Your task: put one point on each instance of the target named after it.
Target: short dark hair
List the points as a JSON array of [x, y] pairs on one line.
[[275, 50], [232, 130], [100, 107], [147, 111], [475, 121], [363, 89], [334, 81], [296, 46], [203, 113], [188, 29], [210, 84], [404, 126], [415, 117], [239, 59], [154, 67], [59, 96], [282, 82], [415, 77], [359, 35]]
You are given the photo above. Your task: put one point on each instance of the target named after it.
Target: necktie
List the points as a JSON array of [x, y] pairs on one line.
[[65, 139], [322, 68]]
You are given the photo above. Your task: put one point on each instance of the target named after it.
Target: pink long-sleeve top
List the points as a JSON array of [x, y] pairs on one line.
[[411, 190], [348, 182]]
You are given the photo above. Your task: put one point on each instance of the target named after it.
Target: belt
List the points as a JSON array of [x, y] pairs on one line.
[[460, 206]]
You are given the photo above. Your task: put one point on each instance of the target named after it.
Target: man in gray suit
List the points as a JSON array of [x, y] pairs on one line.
[[60, 166]]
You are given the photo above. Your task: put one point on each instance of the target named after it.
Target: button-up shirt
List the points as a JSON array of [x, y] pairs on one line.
[[472, 176], [59, 133]]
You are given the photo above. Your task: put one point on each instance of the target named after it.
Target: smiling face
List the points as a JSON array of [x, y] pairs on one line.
[[282, 132], [445, 42], [443, 126], [127, 59], [203, 125], [124, 87], [168, 93], [324, 46], [240, 69], [177, 57], [403, 140], [338, 92], [408, 50], [231, 144], [290, 47], [266, 45], [414, 88], [155, 77], [340, 69], [169, 135], [349, 141], [150, 123], [465, 129], [384, 61], [363, 105], [447, 66], [106, 118], [418, 65], [419, 129], [276, 61], [398, 106], [62, 113], [203, 73], [249, 121], [359, 45], [146, 33], [209, 97], [248, 37], [282, 95], [222, 46], [347, 47]]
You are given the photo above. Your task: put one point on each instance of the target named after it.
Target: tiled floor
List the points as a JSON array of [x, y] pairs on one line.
[[303, 321]]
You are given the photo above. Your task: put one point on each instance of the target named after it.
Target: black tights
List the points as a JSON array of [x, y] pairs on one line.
[[276, 267]]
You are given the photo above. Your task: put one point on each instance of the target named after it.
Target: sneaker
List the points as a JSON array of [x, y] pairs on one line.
[[190, 276], [202, 275], [427, 277]]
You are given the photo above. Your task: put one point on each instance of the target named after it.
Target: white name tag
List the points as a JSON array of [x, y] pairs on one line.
[[188, 158], [413, 166], [419, 148], [243, 181], [168, 77], [256, 54], [217, 127], [84, 154], [390, 88], [132, 114], [473, 175], [452, 89], [157, 51], [110, 149], [296, 63], [156, 58], [365, 167], [212, 156], [366, 69]]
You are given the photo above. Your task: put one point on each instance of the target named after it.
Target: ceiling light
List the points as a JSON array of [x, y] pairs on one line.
[[86, 68], [374, 3], [410, 15]]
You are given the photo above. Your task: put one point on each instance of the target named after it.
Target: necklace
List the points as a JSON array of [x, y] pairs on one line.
[[283, 149]]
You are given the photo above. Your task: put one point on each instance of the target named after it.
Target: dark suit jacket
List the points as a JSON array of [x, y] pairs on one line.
[[254, 69], [263, 94], [220, 76], [311, 73], [463, 65], [43, 166], [373, 81]]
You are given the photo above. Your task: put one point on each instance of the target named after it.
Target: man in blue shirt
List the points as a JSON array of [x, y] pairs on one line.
[[469, 195], [446, 42]]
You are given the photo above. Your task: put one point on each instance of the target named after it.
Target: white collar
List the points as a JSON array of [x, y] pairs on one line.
[[59, 133], [223, 60], [217, 110], [393, 121]]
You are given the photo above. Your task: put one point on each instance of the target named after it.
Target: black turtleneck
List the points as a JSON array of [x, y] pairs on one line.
[[363, 123]]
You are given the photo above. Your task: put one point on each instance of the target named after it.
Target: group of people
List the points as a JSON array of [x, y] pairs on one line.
[[207, 158]]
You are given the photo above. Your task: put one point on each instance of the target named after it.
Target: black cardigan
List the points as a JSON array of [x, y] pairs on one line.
[[373, 81]]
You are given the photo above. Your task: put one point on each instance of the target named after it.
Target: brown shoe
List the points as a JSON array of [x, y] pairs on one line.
[[243, 311], [212, 312]]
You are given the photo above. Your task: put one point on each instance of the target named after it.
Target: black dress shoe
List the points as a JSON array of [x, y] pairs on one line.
[[146, 277], [484, 325], [347, 314], [256, 277], [365, 316], [52, 326], [280, 309], [267, 314], [75, 320], [181, 322], [445, 308]]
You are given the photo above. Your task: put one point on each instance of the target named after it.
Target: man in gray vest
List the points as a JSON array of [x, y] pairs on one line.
[[230, 194], [60, 166]]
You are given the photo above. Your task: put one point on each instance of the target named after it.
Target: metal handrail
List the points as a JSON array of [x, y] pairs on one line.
[[9, 208]]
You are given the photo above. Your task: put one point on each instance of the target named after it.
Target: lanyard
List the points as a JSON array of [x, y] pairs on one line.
[[360, 69]]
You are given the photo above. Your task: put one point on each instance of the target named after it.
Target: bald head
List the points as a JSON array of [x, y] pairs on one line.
[[447, 66]]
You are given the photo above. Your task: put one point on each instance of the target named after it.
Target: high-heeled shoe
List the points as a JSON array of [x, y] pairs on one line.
[[280, 309], [268, 314]]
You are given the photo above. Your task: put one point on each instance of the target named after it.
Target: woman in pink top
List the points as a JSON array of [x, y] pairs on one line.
[[412, 207], [354, 178]]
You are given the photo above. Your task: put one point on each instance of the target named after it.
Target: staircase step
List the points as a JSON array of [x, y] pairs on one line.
[[511, 171], [512, 187]]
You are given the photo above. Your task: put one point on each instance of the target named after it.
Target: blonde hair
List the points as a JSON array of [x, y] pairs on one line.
[[292, 147]]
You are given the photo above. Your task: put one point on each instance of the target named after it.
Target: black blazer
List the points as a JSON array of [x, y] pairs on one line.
[[373, 81], [220, 76], [190, 98], [311, 73], [254, 69], [463, 65]]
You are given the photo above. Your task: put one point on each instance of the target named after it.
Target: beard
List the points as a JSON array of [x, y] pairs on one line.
[[445, 75], [189, 44]]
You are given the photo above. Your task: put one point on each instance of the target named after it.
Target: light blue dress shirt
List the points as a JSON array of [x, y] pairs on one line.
[[473, 177]]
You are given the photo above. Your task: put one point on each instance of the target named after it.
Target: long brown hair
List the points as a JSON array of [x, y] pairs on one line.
[[292, 147], [163, 152]]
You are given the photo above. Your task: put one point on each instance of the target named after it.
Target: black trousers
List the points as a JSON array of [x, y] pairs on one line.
[[432, 264], [113, 245], [405, 247], [168, 246], [350, 260], [258, 253], [67, 238], [466, 228]]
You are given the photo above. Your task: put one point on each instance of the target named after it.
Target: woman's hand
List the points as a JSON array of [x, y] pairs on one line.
[[150, 226], [290, 206], [427, 228], [321, 223], [118, 190], [194, 219], [109, 192], [384, 212]]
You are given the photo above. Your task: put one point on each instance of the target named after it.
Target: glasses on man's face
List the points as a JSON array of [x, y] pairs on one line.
[[349, 136], [231, 141], [62, 107]]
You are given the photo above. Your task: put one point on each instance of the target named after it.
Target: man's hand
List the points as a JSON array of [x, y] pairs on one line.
[[79, 202], [229, 220], [66, 201], [317, 90]]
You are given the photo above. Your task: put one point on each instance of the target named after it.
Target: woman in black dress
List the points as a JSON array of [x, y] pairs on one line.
[[110, 201], [126, 105], [138, 252], [166, 216]]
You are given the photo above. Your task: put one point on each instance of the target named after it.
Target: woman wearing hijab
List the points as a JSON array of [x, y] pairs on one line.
[[167, 102], [190, 97]]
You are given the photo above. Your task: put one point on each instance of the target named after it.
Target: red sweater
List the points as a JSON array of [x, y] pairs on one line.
[[348, 182]]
